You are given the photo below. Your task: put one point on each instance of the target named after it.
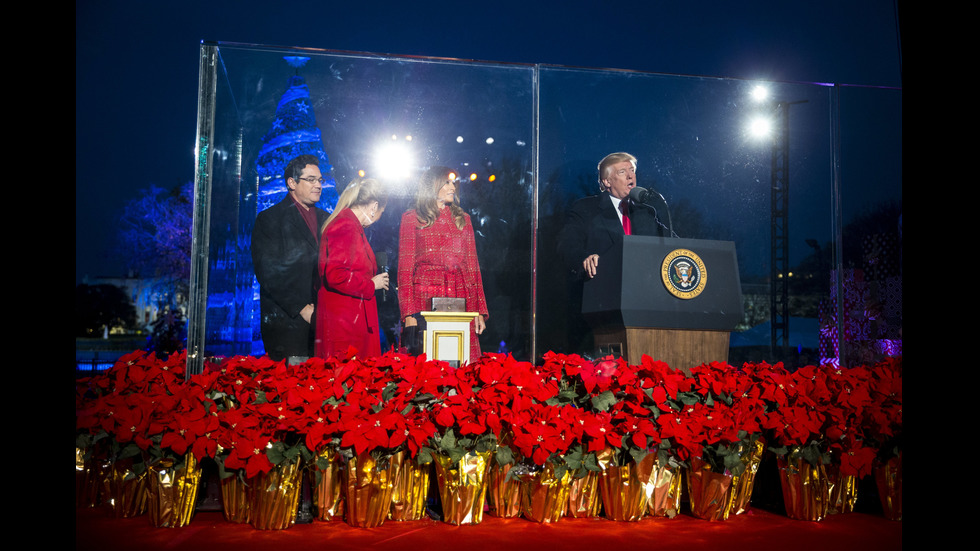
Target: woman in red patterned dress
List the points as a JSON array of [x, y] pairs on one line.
[[347, 311], [437, 254]]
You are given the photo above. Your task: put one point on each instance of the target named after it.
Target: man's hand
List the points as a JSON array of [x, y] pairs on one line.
[[590, 264], [307, 313]]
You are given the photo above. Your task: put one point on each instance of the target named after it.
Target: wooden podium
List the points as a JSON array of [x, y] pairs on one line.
[[447, 336], [675, 300]]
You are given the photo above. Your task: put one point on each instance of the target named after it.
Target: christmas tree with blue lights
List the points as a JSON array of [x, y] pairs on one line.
[[294, 132]]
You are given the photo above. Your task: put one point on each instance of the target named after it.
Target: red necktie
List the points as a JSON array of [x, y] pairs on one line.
[[625, 209]]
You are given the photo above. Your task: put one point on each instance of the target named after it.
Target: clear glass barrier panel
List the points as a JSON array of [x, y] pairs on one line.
[[691, 136]]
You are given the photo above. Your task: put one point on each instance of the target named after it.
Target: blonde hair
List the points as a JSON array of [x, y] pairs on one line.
[[360, 191], [427, 199]]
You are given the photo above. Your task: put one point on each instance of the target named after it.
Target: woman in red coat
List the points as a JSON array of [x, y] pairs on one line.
[[437, 254], [347, 312]]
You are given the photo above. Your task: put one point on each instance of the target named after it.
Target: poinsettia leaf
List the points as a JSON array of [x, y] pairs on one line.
[[734, 464], [292, 453], [604, 401], [424, 456], [504, 455], [688, 398], [259, 397], [224, 473], [812, 455], [423, 398], [708, 400], [638, 454], [455, 455], [389, 391], [591, 462], [130, 450], [275, 454], [449, 440], [486, 443], [779, 450]]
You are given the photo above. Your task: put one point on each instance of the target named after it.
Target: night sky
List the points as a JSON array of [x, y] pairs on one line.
[[136, 67]]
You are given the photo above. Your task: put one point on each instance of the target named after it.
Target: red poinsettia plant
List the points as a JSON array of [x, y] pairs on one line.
[[143, 410], [607, 407], [816, 415], [725, 419], [384, 407], [251, 414], [263, 415], [474, 406]]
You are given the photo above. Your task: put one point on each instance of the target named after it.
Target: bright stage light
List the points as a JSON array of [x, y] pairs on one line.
[[459, 139], [760, 93], [760, 127], [489, 141], [394, 161], [473, 177]]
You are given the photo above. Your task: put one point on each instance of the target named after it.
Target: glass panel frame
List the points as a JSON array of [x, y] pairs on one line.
[[550, 125]]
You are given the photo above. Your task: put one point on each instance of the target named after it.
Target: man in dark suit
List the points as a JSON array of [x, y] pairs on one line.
[[593, 222], [592, 227], [285, 244]]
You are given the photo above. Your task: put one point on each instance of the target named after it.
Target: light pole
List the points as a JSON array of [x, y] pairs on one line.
[[779, 217]]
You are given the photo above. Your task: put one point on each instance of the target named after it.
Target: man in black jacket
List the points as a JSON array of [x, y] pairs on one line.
[[285, 244], [593, 222]]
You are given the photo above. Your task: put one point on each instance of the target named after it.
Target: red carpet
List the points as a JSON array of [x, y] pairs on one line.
[[755, 531]]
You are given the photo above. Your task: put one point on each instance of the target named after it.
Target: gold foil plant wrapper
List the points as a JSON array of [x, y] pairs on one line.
[[665, 500], [710, 492], [172, 492], [368, 486], [888, 478], [503, 491], [125, 490], [462, 487], [843, 490], [410, 491], [742, 484], [544, 496], [235, 499], [90, 473], [275, 496], [583, 496], [806, 488], [328, 486], [626, 489]]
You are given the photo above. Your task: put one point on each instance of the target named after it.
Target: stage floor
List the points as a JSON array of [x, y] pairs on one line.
[[756, 530]]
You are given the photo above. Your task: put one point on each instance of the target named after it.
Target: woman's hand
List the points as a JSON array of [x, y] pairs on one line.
[[481, 324], [380, 281]]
